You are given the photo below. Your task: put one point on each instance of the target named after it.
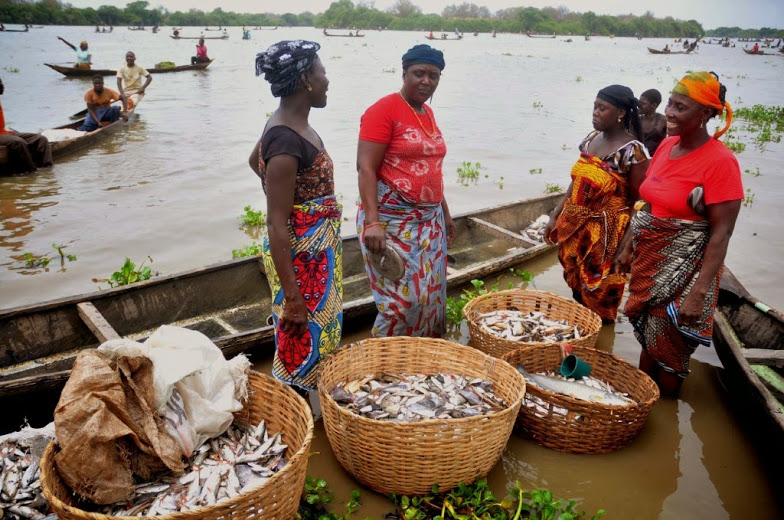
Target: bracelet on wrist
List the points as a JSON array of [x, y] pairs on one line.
[[370, 225]]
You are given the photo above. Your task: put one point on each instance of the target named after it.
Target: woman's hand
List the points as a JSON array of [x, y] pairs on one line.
[[548, 230], [295, 316], [375, 238], [623, 261], [450, 231], [691, 309]]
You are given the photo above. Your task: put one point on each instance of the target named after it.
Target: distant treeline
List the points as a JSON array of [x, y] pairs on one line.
[[403, 15]]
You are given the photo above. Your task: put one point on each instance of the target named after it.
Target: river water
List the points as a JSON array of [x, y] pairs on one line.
[[173, 184]]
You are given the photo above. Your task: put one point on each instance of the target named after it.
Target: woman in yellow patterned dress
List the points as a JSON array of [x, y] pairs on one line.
[[591, 220]]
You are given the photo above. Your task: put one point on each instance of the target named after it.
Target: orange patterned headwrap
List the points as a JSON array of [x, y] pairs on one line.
[[703, 87]]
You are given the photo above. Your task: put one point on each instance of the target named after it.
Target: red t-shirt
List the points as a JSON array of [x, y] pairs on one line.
[[415, 148], [3, 129], [668, 182]]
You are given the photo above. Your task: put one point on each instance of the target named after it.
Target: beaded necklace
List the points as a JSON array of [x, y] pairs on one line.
[[431, 135]]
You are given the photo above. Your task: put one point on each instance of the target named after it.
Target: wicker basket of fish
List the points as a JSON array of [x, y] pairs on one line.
[[504, 321], [599, 414], [418, 416], [275, 420]]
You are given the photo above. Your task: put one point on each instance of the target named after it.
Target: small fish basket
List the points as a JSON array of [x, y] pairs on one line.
[[554, 307], [278, 497], [567, 424], [409, 457]]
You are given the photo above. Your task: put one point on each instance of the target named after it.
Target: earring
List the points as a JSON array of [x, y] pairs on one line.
[[620, 119], [308, 87]]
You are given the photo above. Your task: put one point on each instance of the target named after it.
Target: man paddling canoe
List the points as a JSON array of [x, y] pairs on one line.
[[99, 109], [132, 74]]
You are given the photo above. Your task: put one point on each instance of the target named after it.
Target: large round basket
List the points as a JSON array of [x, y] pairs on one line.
[[553, 306], [566, 424], [409, 457], [278, 497]]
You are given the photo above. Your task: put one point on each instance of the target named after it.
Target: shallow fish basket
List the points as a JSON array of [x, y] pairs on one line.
[[553, 306], [567, 424], [278, 497], [409, 457]]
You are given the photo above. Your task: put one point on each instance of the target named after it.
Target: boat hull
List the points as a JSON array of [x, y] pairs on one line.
[[230, 301], [89, 73], [746, 335]]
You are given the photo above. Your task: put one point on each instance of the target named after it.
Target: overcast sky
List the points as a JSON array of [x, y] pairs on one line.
[[710, 13]]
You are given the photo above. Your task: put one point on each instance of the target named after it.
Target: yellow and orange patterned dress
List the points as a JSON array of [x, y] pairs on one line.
[[593, 222]]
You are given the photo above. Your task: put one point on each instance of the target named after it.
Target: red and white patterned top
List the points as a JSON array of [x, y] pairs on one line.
[[415, 153]]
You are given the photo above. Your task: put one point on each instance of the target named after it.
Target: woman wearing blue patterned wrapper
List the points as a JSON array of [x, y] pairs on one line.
[[302, 251]]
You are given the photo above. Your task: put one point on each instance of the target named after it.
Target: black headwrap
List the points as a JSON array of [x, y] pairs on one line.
[[619, 96], [284, 62], [424, 54], [623, 98]]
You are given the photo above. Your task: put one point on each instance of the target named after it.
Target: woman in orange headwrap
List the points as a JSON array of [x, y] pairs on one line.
[[694, 190]]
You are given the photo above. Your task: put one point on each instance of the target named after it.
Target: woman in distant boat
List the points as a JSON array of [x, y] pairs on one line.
[[399, 160], [590, 221], [694, 190], [654, 124], [84, 59], [302, 251], [201, 53]]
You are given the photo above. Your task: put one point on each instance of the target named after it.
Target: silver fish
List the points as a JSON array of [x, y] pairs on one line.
[[576, 390]]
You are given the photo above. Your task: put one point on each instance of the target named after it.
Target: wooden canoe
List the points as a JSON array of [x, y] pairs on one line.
[[749, 339], [15, 30], [540, 35], [89, 73], [659, 51], [344, 35], [61, 149], [230, 301], [224, 37], [442, 39], [751, 51], [265, 28]]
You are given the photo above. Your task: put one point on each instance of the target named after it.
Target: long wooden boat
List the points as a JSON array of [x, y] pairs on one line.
[[89, 73], [61, 149], [749, 339], [15, 30], [442, 39], [257, 28], [752, 51], [540, 35], [659, 51], [137, 28], [343, 35], [230, 301], [224, 37]]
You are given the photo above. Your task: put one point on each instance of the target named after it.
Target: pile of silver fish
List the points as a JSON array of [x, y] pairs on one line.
[[527, 326], [589, 389], [20, 490], [223, 467], [417, 397], [535, 231]]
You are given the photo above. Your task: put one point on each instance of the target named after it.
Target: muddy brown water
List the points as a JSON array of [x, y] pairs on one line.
[[173, 184]]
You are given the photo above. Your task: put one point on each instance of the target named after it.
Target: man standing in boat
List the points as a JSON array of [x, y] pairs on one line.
[[99, 109], [132, 74]]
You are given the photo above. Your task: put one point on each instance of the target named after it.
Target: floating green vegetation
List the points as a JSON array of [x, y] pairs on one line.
[[317, 496], [468, 173], [500, 182], [336, 57], [477, 502], [538, 104], [735, 146], [129, 273], [564, 147], [579, 79], [766, 122], [253, 218], [35, 261], [748, 200], [253, 249], [390, 70], [535, 171], [10, 69], [454, 306], [755, 172], [507, 54], [552, 188]]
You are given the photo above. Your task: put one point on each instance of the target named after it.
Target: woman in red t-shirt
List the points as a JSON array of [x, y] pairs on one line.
[[694, 190], [399, 159]]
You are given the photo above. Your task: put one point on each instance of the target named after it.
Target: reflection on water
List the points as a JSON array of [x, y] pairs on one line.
[[21, 198]]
